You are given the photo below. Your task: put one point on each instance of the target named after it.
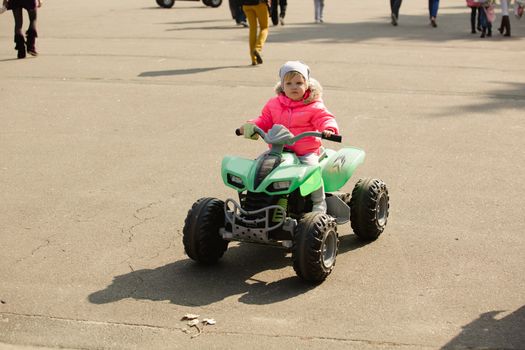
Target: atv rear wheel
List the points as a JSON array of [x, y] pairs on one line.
[[369, 208], [166, 3], [201, 238], [315, 246]]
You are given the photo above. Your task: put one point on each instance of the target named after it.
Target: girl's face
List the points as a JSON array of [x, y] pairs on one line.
[[295, 87]]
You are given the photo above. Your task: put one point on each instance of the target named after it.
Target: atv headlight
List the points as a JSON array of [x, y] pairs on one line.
[[235, 181], [280, 185]]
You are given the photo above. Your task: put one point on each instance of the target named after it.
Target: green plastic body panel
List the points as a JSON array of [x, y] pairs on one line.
[[307, 177], [338, 167]]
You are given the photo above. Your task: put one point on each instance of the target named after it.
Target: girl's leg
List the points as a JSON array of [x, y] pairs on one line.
[[19, 20], [252, 24], [19, 37], [318, 196], [31, 32]]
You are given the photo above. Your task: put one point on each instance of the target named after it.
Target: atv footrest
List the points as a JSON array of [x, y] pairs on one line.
[[253, 225]]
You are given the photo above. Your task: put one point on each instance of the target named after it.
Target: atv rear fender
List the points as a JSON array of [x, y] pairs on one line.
[[338, 166]]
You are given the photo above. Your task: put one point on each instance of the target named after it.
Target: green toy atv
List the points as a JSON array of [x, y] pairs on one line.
[[274, 205]]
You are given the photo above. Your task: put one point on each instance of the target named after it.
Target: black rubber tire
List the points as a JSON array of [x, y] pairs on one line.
[[166, 3], [315, 247], [201, 238], [369, 208], [212, 3]]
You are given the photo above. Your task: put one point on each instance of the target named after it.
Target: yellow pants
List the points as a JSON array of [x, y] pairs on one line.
[[254, 14]]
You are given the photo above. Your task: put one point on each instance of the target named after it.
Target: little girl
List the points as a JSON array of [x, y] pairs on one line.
[[300, 108]]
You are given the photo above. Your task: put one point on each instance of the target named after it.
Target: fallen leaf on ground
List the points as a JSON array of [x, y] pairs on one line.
[[189, 317], [194, 322], [209, 321]]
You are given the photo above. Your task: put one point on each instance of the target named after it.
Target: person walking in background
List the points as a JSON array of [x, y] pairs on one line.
[[278, 11], [486, 18], [31, 34], [256, 12], [433, 6], [394, 9], [318, 10], [475, 12], [505, 20], [237, 13]]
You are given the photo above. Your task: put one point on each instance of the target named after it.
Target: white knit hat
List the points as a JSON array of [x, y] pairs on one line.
[[294, 66]]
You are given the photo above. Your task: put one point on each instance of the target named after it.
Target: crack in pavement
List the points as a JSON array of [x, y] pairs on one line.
[[129, 230], [211, 331]]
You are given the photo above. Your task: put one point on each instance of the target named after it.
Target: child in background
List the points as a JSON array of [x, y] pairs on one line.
[[31, 34], [486, 18], [299, 107]]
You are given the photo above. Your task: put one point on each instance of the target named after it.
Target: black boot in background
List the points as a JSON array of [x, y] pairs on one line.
[[31, 35], [20, 46], [507, 25]]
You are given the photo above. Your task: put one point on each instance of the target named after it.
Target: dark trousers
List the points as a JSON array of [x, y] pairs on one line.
[[237, 12], [433, 6], [394, 6], [474, 12], [274, 10]]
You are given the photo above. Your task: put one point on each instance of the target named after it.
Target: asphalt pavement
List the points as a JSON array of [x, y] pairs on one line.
[[120, 124]]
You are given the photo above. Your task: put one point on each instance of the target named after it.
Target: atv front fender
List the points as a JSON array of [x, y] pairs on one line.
[[339, 166]]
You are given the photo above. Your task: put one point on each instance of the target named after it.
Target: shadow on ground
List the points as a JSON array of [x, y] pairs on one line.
[[184, 71], [190, 284], [492, 332]]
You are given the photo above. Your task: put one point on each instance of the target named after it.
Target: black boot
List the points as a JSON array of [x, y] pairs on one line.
[[20, 46], [489, 30], [502, 25], [31, 35], [507, 25], [483, 31]]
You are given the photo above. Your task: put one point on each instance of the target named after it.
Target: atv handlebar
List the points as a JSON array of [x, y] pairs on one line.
[[334, 137]]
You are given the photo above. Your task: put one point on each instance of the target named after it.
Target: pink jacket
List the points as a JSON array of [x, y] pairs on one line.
[[309, 114]]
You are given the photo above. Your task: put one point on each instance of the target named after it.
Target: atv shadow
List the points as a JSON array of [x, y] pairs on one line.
[[188, 283]]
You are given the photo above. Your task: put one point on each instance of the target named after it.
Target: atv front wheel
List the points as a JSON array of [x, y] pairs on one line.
[[201, 238], [369, 208], [166, 3], [315, 247]]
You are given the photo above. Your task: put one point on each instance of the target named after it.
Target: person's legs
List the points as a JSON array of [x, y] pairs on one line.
[[19, 37], [483, 22], [32, 32], [249, 11], [321, 9], [283, 4], [261, 12], [396, 7], [473, 11]]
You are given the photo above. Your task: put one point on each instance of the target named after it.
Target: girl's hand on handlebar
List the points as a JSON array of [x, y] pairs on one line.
[[327, 133]]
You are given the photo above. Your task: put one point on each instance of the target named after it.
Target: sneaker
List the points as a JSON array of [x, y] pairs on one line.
[[319, 207], [281, 20], [394, 19], [433, 22], [244, 24], [258, 57]]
